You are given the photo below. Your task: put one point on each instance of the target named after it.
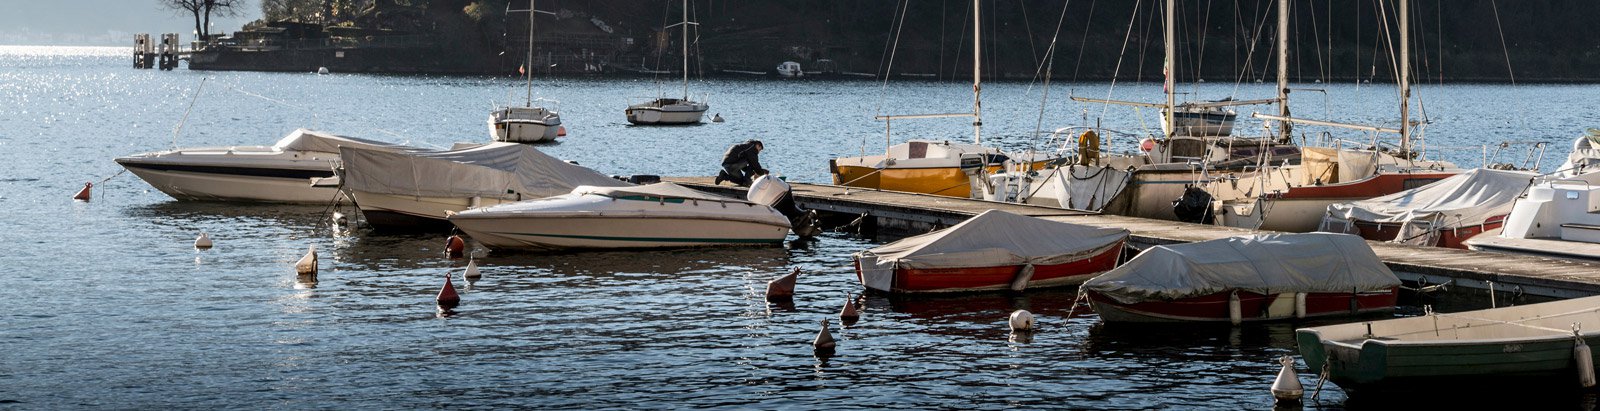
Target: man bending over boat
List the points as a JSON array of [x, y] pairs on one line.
[[742, 163]]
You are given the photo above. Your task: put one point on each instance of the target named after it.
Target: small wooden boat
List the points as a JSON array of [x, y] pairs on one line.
[[1530, 346], [994, 251], [1247, 278]]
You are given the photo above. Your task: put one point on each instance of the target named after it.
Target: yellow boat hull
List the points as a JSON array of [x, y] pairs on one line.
[[940, 181]]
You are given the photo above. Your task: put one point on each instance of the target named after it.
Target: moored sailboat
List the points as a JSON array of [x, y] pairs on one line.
[[672, 111], [528, 123]]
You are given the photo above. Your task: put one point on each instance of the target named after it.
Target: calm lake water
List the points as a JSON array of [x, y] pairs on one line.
[[107, 305]]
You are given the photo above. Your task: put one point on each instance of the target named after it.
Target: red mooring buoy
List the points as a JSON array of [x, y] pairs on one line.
[[83, 195], [782, 288], [448, 298], [455, 247], [561, 132]]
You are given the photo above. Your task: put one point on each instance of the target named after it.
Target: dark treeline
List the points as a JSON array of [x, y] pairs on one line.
[[1219, 40]]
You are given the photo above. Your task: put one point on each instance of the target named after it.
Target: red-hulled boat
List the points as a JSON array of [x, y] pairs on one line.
[[993, 251], [1442, 214], [1249, 278]]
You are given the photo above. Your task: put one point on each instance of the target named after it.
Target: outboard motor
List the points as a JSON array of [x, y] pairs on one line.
[[776, 193], [1194, 206]]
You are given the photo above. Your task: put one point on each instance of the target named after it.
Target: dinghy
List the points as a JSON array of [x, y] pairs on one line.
[[661, 215], [1530, 347], [994, 251], [1247, 278]]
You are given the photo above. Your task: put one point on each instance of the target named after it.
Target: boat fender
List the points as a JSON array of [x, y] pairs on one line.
[[1024, 275], [1147, 145], [203, 241], [307, 266], [1021, 321], [448, 298], [83, 195], [1299, 305], [454, 247], [1287, 389], [824, 344], [1235, 309], [561, 132], [1585, 360]]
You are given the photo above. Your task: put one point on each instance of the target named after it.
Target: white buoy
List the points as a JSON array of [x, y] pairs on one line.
[[850, 313], [1581, 354], [1235, 310], [716, 118], [203, 241], [322, 70], [824, 344], [1021, 320], [307, 264], [1287, 388], [472, 273], [339, 220]]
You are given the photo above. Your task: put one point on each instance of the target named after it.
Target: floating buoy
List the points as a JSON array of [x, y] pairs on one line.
[[455, 247], [203, 241], [448, 298], [824, 345], [472, 273], [1287, 388], [561, 131], [308, 264], [851, 312], [339, 219], [83, 195], [322, 70], [716, 118], [782, 288], [1021, 321]]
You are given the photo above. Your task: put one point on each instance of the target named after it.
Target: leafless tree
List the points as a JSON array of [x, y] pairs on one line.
[[202, 10]]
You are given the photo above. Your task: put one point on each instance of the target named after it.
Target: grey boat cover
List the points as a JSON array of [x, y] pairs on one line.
[[994, 238], [308, 140], [507, 171], [1264, 264], [662, 190], [1466, 199]]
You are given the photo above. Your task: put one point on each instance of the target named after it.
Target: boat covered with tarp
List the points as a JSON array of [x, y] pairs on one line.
[[1247, 278], [995, 250], [1443, 213]]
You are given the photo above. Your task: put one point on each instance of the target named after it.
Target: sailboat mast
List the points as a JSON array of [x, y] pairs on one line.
[[685, 49], [529, 63], [977, 72], [1171, 54], [1284, 131], [1405, 78]]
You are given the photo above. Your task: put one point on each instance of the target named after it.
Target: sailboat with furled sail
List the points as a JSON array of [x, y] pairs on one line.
[[672, 111], [528, 123], [937, 167]]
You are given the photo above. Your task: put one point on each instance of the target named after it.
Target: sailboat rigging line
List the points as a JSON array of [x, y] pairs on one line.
[[1105, 108], [179, 128], [893, 46], [1255, 39], [1316, 43], [955, 66], [315, 120], [1048, 68], [1026, 24], [1089, 22], [1511, 74]]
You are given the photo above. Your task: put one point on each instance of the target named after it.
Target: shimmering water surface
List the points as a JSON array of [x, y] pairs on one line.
[[106, 305]]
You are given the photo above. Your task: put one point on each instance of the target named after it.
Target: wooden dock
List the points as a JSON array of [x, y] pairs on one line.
[[917, 213]]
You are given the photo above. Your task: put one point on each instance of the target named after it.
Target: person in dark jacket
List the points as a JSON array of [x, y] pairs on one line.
[[742, 163]]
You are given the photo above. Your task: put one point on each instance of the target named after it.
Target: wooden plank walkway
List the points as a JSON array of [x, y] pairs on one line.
[[1472, 269]]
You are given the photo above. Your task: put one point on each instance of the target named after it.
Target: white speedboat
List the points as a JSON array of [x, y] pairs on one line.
[[672, 111], [279, 173], [416, 190], [661, 215], [790, 69]]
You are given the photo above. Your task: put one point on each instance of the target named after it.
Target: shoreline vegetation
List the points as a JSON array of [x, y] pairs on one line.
[[1331, 41]]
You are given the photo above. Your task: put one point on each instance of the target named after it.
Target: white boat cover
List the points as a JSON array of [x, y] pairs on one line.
[[507, 171], [1265, 264], [1584, 155], [308, 140], [1466, 199], [1088, 188], [662, 190], [994, 238]]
